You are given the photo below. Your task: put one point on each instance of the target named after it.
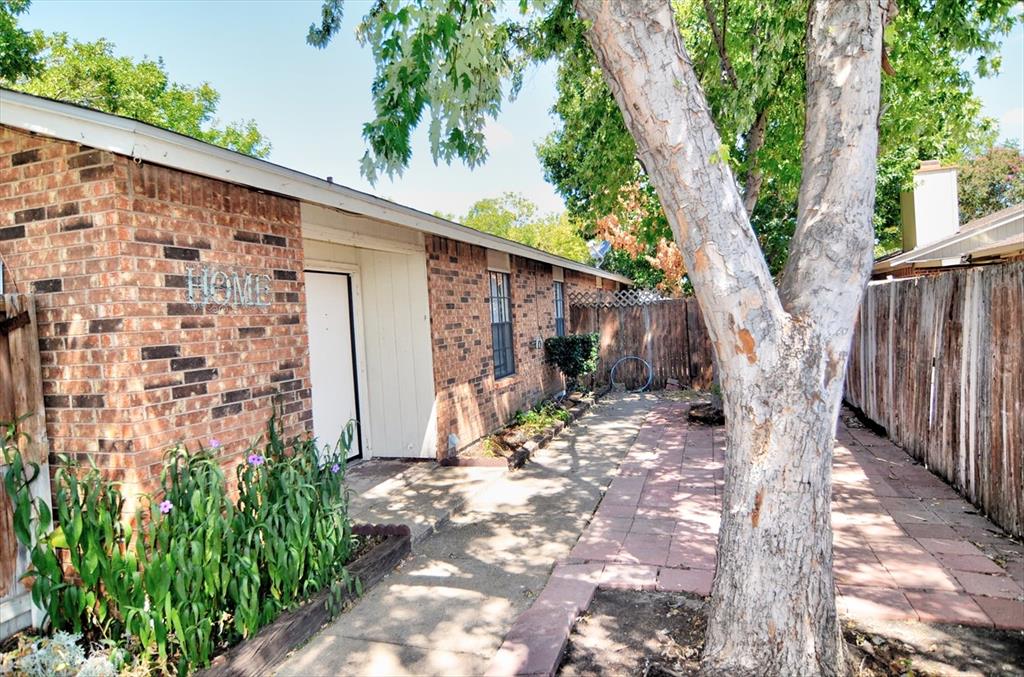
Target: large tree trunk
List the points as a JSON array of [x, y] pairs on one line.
[[781, 354], [773, 605]]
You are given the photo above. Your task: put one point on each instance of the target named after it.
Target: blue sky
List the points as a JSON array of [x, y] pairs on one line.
[[312, 103]]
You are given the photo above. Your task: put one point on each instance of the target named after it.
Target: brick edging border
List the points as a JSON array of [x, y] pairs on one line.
[[259, 654]]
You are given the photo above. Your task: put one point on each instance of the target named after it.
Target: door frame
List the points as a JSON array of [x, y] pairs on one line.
[[355, 307]]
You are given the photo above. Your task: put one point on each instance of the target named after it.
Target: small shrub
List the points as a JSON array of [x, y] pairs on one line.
[[575, 355], [195, 571]]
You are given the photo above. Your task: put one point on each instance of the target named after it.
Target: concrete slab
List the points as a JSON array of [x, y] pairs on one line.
[[488, 541], [336, 656], [419, 494]]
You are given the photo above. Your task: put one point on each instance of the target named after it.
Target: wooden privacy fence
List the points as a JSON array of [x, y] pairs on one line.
[[21, 395], [939, 362], [668, 333]]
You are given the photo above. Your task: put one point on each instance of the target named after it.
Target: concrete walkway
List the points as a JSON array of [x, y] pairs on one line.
[[906, 546], [447, 609], [419, 494]]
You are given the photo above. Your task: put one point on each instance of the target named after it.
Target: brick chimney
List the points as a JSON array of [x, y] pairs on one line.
[[931, 210]]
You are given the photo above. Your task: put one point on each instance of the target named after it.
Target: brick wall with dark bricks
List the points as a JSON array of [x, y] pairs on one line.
[[470, 402], [129, 366]]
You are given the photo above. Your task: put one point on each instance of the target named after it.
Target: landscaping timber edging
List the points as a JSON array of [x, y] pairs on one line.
[[258, 654], [521, 454]]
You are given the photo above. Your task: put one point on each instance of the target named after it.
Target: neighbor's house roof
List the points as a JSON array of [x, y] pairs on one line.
[[997, 235], [147, 143]]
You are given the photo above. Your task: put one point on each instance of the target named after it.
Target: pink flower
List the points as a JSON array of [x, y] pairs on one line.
[[214, 443], [166, 507]]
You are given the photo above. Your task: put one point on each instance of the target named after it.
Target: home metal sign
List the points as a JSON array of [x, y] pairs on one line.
[[222, 289]]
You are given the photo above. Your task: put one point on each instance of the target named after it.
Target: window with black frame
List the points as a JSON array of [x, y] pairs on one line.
[[559, 309], [501, 325]]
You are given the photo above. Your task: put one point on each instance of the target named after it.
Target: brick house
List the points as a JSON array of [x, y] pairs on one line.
[[183, 290]]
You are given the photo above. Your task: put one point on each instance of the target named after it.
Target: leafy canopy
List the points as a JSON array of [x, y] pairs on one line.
[[991, 181], [17, 48], [514, 217], [91, 74], [452, 63], [749, 57], [443, 58]]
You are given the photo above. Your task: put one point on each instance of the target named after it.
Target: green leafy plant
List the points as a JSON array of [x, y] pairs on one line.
[[493, 447], [540, 417], [195, 571], [575, 355]]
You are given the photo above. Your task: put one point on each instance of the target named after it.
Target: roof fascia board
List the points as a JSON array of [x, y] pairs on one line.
[[915, 254], [151, 144]]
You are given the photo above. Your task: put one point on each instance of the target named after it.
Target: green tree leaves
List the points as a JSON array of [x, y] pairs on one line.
[[445, 62], [91, 74], [990, 182], [442, 61], [514, 217], [18, 49], [756, 70]]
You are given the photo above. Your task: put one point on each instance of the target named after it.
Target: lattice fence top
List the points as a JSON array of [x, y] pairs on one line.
[[623, 298]]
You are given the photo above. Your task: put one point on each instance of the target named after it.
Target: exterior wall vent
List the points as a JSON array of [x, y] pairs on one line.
[[498, 261]]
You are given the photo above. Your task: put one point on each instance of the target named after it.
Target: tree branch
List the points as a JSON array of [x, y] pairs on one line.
[[640, 50], [831, 251], [719, 36], [755, 140]]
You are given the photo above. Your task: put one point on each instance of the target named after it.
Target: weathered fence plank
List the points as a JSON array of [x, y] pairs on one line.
[[21, 397], [668, 334], [939, 362]]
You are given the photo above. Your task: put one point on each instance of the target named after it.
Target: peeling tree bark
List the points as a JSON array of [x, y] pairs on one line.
[[781, 354]]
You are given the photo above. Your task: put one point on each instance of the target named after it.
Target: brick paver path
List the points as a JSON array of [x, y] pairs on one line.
[[906, 545]]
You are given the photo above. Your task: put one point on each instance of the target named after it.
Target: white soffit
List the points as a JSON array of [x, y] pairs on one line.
[[159, 146]]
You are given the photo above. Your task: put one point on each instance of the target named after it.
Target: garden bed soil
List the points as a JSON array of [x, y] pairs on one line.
[[512, 446], [387, 546], [659, 634]]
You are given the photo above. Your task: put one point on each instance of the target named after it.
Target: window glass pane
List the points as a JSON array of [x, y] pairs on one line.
[[503, 350], [559, 310]]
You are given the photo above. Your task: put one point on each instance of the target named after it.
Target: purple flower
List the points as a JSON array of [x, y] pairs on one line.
[[166, 507], [256, 459], [214, 443], [335, 468]]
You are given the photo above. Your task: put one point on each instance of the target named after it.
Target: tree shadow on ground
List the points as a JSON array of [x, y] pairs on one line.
[[447, 609]]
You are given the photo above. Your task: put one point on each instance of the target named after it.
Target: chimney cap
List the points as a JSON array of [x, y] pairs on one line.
[[932, 166]]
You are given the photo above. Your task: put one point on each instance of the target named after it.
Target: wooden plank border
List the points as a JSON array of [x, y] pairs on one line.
[[259, 654]]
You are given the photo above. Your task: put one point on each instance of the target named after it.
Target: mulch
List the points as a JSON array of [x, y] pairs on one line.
[[659, 634]]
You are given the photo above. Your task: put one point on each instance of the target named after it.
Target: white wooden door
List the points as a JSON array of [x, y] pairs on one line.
[[331, 357]]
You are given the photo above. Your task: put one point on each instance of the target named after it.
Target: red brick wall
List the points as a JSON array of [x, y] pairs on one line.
[[129, 366], [470, 402]]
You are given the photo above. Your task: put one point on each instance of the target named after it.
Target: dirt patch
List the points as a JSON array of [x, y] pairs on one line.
[[658, 634]]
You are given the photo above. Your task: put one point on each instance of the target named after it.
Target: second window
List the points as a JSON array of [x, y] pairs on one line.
[[501, 325], [559, 309]]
